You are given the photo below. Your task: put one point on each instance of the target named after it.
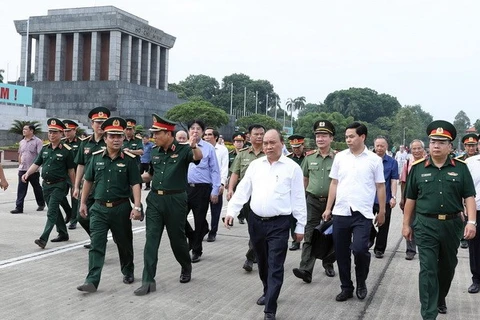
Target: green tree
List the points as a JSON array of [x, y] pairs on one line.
[[477, 125], [304, 124], [17, 126], [262, 119], [198, 109], [409, 123]]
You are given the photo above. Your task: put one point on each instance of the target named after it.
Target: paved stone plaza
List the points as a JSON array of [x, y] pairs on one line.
[[41, 284]]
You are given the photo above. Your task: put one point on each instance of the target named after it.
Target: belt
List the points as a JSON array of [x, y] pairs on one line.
[[54, 181], [111, 204], [193, 185], [167, 192], [321, 199], [265, 218], [447, 216]]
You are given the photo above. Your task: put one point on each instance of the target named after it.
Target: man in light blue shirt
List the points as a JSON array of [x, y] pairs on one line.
[[146, 156], [203, 187]]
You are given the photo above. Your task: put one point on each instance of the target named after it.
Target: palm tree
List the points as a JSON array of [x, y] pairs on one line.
[[294, 105], [17, 126]]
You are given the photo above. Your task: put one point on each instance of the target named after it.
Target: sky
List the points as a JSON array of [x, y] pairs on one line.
[[424, 52]]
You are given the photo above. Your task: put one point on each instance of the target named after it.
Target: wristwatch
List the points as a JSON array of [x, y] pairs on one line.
[[472, 222], [139, 209]]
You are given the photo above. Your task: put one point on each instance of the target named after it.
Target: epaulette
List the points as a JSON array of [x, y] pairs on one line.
[[184, 143], [138, 136], [97, 152], [418, 161], [310, 152], [288, 155], [243, 149], [67, 146], [129, 154], [64, 138], [87, 137], [460, 160], [46, 144], [232, 151]]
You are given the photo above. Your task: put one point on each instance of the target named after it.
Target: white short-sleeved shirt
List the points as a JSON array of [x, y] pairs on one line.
[[357, 176], [275, 189], [473, 164]]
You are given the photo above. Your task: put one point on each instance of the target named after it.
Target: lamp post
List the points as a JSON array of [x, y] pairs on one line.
[[231, 98]]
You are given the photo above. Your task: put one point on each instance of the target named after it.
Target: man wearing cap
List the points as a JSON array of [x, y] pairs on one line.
[[238, 170], [167, 200], [238, 139], [297, 155], [437, 189], [316, 169], [73, 142], [58, 166], [88, 146], [203, 188], [131, 143], [115, 175], [356, 174]]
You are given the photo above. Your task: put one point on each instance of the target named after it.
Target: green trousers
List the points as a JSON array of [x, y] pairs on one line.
[[117, 220], [53, 195], [170, 212], [437, 242]]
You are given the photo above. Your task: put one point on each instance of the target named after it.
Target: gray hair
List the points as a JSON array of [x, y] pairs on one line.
[[417, 140]]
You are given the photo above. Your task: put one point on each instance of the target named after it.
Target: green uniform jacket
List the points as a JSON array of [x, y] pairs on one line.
[[169, 168], [55, 163], [298, 160], [133, 144], [439, 191], [242, 161], [112, 177], [86, 148], [317, 169]]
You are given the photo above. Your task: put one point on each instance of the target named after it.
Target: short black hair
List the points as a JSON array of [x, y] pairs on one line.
[[360, 129], [197, 121], [256, 126]]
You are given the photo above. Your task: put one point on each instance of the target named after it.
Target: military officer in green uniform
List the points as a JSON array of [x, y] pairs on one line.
[[167, 200], [113, 172], [73, 142], [297, 143], [88, 146], [437, 189], [470, 144], [57, 165], [238, 169], [132, 143], [316, 170], [238, 139]]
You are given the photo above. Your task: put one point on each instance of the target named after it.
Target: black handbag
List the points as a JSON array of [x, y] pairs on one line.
[[322, 244]]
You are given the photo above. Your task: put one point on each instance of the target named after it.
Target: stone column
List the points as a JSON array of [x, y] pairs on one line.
[[60, 57], [155, 69], [163, 69], [95, 57], [26, 56], [77, 68], [114, 55], [146, 59], [126, 58], [136, 60]]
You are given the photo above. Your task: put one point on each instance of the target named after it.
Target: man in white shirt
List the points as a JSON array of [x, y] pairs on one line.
[[221, 151], [275, 185], [356, 174]]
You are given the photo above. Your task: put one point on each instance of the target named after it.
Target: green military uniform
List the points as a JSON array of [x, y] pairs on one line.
[[134, 143], [231, 157], [55, 164], [111, 209], [74, 145], [438, 194], [298, 160]]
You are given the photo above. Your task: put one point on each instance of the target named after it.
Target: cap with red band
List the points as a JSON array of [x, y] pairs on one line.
[[70, 124], [55, 124], [99, 114], [160, 124], [441, 130], [114, 125]]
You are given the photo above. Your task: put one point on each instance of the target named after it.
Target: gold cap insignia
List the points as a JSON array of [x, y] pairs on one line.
[[53, 122], [116, 123], [440, 130]]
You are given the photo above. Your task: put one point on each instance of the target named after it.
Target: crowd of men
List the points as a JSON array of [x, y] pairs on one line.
[[280, 196]]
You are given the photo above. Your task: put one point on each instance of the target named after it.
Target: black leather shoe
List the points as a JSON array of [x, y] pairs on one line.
[[261, 301], [40, 243], [241, 220], [474, 288], [329, 271], [211, 238], [302, 274], [361, 291], [87, 287], [344, 295], [196, 257], [128, 279], [442, 308], [464, 244], [87, 246], [72, 226], [145, 289], [15, 211], [248, 265], [60, 239], [294, 246], [378, 254], [40, 208], [269, 316], [185, 276]]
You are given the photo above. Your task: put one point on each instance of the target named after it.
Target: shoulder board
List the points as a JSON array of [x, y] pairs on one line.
[[46, 144], [97, 152], [86, 138], [310, 152], [243, 149], [460, 157], [289, 155], [67, 146], [64, 138], [418, 161], [460, 160], [129, 154], [138, 136], [184, 143], [231, 151]]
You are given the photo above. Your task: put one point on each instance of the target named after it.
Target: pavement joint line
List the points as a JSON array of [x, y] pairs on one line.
[[380, 279], [51, 252]]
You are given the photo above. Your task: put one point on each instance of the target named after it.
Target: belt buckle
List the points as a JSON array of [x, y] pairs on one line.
[[442, 217], [160, 192], [109, 204], [192, 185]]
